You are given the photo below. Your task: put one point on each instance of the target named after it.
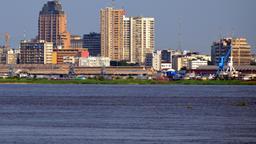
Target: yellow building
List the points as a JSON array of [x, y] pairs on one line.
[[54, 57]]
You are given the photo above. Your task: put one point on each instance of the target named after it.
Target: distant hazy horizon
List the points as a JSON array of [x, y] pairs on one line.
[[199, 22]]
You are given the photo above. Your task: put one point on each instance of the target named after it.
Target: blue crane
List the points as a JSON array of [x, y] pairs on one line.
[[224, 59]]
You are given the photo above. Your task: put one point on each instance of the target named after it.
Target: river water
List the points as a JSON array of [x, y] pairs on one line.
[[127, 114]]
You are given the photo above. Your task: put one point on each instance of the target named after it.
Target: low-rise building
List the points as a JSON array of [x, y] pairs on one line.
[[166, 66], [12, 56], [3, 54], [154, 60], [94, 62], [182, 60], [72, 55], [167, 55], [194, 64], [178, 62], [36, 52]]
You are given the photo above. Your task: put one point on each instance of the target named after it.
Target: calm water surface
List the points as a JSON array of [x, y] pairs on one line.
[[107, 114]]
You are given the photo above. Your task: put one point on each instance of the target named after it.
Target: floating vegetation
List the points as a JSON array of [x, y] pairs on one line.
[[189, 106], [242, 104]]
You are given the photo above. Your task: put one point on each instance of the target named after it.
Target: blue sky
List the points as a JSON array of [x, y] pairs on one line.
[[201, 21]]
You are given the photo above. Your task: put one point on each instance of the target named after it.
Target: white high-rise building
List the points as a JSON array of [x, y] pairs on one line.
[[139, 38]]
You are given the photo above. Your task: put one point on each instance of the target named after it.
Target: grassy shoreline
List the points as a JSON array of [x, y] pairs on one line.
[[127, 82]]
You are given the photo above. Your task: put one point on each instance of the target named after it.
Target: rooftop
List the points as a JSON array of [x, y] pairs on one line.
[[52, 7]]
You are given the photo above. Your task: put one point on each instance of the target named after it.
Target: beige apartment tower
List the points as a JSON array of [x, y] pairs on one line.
[[52, 25], [139, 38], [111, 27]]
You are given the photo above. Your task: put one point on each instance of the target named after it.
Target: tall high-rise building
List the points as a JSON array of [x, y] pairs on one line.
[[241, 51], [139, 38], [111, 26], [52, 25], [92, 43]]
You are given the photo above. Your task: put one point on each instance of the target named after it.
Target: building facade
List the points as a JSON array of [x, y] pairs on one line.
[[76, 41], [194, 64], [111, 27], [3, 54], [52, 25], [241, 51], [36, 52], [64, 56], [13, 56], [139, 38], [166, 66], [94, 62], [177, 62], [167, 55], [154, 60], [92, 43]]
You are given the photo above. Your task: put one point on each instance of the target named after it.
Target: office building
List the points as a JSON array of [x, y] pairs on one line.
[[92, 43], [167, 55], [76, 41], [111, 27], [241, 51], [36, 52], [154, 60], [139, 38], [52, 25]]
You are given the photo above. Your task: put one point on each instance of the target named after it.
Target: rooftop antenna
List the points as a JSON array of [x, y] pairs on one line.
[[24, 35]]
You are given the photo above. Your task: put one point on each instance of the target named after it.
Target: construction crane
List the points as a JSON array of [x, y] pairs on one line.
[[230, 72]]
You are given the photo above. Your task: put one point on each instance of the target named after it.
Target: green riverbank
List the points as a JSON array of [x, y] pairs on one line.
[[128, 82]]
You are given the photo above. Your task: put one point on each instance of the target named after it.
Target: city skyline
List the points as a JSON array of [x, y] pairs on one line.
[[172, 18]]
